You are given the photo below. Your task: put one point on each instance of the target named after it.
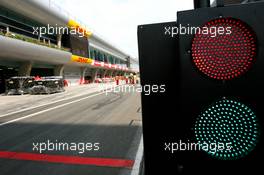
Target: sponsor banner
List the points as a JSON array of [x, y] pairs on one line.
[[80, 28], [107, 65], [113, 66], [80, 59], [98, 63]]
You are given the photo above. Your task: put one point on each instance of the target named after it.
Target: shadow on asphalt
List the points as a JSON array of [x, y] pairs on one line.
[[115, 141]]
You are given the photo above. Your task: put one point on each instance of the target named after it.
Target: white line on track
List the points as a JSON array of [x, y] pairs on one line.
[[34, 107], [49, 109], [138, 159]]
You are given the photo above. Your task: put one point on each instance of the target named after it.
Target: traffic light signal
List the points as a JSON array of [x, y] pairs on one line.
[[215, 82]]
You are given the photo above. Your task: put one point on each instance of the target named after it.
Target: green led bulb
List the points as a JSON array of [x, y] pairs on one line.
[[230, 123]]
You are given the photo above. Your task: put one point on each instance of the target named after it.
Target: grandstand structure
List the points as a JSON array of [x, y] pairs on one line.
[[31, 46]]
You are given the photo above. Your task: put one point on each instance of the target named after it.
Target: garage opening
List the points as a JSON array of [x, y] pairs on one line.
[[42, 72], [6, 73]]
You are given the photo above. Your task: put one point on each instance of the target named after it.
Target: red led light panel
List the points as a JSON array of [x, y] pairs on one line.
[[224, 48]]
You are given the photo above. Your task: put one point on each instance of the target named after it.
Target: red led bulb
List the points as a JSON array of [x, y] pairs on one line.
[[224, 48]]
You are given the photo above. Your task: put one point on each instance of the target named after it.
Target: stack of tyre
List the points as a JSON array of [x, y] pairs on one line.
[[47, 85], [30, 85], [19, 85]]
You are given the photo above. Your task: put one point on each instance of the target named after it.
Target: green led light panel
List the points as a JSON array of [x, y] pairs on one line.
[[228, 125]]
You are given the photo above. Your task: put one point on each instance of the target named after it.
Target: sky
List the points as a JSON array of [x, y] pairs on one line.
[[116, 21]]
